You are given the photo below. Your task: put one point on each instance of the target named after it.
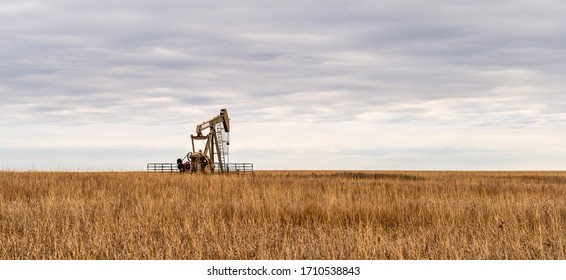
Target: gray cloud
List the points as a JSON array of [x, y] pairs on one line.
[[477, 66]]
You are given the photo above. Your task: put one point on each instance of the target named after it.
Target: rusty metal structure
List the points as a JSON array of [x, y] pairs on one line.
[[214, 158]]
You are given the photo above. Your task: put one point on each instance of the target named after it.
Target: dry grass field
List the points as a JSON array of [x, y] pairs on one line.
[[283, 215]]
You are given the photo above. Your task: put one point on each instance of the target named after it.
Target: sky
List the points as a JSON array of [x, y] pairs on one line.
[[321, 85]]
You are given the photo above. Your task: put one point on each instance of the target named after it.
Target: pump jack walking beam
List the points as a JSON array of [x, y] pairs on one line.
[[223, 117]]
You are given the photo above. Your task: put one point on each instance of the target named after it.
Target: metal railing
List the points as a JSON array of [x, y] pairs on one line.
[[162, 167], [241, 168], [237, 168]]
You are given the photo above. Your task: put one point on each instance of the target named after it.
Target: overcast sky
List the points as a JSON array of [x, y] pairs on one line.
[[113, 85]]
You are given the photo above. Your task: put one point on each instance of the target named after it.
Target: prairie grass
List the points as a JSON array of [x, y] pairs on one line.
[[283, 215]]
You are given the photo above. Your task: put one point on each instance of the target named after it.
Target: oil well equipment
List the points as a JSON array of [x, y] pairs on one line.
[[214, 158]]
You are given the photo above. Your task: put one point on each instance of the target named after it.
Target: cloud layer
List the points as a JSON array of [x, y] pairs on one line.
[[371, 84]]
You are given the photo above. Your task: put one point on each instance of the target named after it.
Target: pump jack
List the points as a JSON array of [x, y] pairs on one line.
[[219, 126], [215, 158]]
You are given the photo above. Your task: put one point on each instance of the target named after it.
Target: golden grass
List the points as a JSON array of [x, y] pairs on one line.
[[283, 215]]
